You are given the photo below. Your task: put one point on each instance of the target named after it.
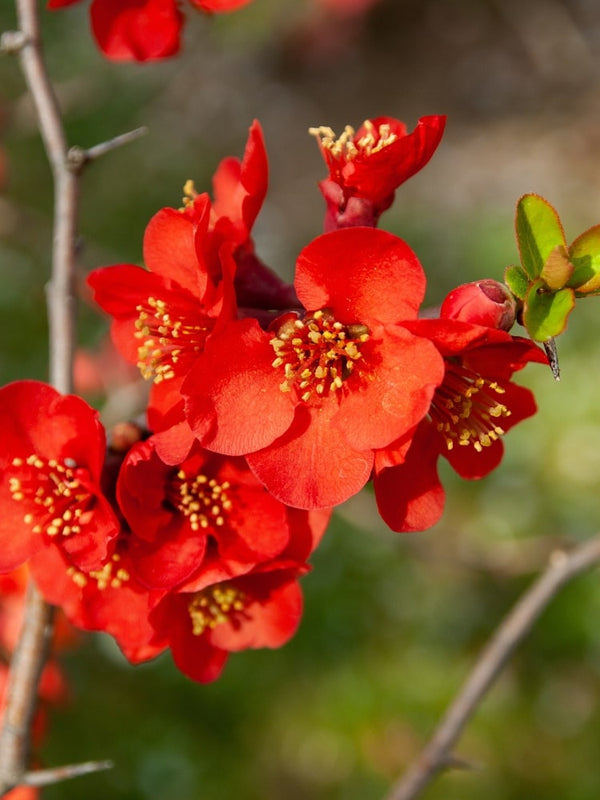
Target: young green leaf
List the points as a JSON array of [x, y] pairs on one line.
[[539, 232], [545, 313], [517, 281], [584, 254]]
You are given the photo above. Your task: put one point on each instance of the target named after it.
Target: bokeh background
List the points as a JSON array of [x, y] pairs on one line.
[[393, 623]]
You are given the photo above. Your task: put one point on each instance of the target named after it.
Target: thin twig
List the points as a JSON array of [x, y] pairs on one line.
[[66, 165], [46, 777], [32, 649], [563, 567], [78, 157]]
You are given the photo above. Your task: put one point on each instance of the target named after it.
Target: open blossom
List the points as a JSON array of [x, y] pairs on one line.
[[108, 599], [260, 609], [208, 515], [142, 30], [475, 405], [368, 165], [51, 457], [309, 401]]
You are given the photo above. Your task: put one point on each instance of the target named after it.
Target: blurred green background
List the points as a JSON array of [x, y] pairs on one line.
[[393, 623]]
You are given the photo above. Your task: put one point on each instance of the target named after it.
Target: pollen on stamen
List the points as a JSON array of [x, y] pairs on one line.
[[465, 411], [54, 499], [166, 338], [202, 500], [214, 606], [320, 356]]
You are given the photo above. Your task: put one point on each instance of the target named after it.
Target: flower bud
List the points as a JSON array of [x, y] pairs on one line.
[[485, 302]]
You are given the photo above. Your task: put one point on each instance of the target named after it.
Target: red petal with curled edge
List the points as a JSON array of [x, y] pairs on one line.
[[363, 274], [170, 250], [312, 466], [233, 401], [410, 496], [137, 30], [36, 419], [377, 175], [239, 187]]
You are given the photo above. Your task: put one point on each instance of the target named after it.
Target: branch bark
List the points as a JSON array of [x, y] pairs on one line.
[[31, 652], [436, 755]]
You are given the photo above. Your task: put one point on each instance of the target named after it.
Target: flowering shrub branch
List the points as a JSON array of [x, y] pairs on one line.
[[270, 402], [31, 652]]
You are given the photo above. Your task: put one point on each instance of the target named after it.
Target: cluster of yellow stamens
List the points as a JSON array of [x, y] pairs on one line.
[[166, 339], [466, 409], [204, 501], [346, 148], [55, 497], [214, 606], [317, 353], [110, 575]]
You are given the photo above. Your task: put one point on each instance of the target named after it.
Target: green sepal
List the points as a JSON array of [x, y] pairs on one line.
[[584, 254], [517, 281], [558, 269], [539, 232], [545, 313]]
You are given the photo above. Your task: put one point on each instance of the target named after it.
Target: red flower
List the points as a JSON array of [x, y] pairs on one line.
[[142, 30], [262, 609], [313, 399], [366, 167], [208, 515], [51, 457], [107, 599], [201, 264], [164, 315], [471, 410]]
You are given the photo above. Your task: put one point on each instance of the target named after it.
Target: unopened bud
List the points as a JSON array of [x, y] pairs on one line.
[[485, 302]]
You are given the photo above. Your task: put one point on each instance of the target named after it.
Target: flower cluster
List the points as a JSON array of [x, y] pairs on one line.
[[269, 405]]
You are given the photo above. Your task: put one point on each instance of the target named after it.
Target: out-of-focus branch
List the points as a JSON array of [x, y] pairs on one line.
[[437, 754]]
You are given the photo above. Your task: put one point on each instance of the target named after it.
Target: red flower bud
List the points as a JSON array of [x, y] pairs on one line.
[[485, 302]]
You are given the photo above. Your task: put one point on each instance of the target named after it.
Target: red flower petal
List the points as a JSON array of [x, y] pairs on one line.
[[138, 30], [233, 400], [363, 274], [410, 496], [312, 465], [170, 251]]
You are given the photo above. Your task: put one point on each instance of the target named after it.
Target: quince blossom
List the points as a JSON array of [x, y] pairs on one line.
[[142, 30]]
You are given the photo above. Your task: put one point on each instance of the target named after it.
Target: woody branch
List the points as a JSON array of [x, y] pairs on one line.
[[437, 754]]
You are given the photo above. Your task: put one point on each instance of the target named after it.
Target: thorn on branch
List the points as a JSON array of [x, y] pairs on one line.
[[78, 157], [12, 42]]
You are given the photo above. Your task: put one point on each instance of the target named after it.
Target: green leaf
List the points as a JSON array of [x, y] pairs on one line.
[[545, 313], [517, 281], [557, 269], [539, 232], [584, 254]]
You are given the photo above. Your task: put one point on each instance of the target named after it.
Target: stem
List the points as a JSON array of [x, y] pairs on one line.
[[436, 754], [31, 652]]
